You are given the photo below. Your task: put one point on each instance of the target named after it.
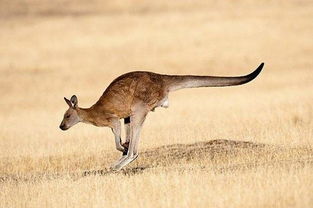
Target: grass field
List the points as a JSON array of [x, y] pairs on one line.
[[245, 146]]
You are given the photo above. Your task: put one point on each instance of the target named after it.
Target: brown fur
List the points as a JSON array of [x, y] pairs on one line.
[[142, 87]]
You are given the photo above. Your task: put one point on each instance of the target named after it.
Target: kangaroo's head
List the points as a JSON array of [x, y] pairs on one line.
[[71, 115]]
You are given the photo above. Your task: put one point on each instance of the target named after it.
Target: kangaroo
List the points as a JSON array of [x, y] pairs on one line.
[[131, 97]]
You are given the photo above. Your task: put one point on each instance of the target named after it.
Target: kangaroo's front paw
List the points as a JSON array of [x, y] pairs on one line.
[[125, 145]]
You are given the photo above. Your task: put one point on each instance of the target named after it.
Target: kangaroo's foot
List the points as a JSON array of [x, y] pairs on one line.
[[118, 161], [125, 160]]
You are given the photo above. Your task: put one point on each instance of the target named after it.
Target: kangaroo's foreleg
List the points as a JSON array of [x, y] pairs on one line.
[[116, 129], [135, 126], [127, 135]]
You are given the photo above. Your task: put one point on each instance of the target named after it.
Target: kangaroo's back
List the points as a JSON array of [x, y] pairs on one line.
[[131, 88]]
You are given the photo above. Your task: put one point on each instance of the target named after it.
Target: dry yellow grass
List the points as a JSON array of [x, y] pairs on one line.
[[247, 146]]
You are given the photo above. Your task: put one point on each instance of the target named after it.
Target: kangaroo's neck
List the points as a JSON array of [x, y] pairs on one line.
[[92, 116], [85, 114]]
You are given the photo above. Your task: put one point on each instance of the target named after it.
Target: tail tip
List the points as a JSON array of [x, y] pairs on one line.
[[261, 66], [259, 69], [256, 72]]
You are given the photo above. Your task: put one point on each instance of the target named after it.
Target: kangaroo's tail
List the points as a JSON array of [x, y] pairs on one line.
[[176, 82]]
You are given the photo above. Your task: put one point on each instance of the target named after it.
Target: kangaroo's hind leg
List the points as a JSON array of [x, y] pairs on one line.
[[136, 122]]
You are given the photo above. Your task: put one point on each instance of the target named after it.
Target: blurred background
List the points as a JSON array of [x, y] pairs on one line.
[[51, 49]]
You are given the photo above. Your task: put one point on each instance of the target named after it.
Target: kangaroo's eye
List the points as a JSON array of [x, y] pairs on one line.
[[67, 116]]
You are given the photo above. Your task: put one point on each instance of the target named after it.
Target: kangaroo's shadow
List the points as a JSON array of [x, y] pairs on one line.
[[107, 171]]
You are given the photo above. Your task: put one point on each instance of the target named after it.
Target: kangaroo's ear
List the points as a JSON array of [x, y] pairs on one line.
[[68, 102], [74, 101]]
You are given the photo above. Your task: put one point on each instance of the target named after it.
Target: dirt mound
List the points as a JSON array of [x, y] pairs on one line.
[[215, 149]]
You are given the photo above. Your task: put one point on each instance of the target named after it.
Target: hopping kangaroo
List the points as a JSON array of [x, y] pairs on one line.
[[130, 97]]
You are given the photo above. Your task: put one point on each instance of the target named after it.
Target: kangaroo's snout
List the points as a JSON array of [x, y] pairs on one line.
[[63, 127]]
